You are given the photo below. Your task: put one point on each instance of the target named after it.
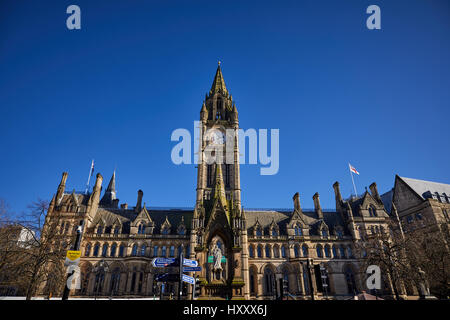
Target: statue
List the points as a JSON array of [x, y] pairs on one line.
[[217, 253], [424, 289]]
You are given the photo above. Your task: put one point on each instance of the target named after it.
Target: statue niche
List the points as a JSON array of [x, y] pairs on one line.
[[217, 263]]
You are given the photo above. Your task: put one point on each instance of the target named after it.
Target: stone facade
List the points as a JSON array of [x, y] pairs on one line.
[[267, 253]]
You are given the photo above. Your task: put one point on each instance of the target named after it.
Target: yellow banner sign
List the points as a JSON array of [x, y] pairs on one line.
[[73, 257]]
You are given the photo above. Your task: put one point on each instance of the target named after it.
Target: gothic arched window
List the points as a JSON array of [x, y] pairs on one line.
[[155, 251], [342, 252], [227, 175], [143, 248], [283, 251], [250, 251], [113, 250], [319, 251], [296, 251], [305, 250], [105, 250], [259, 251], [96, 249], [276, 251], [268, 255], [99, 229], [209, 178], [121, 250], [172, 251], [163, 251], [87, 250], [115, 280], [335, 254], [134, 250], [350, 279], [327, 251]]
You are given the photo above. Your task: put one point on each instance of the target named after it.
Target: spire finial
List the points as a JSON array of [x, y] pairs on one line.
[[219, 62]]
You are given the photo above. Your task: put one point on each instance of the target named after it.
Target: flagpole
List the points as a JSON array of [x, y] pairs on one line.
[[353, 181], [89, 177]]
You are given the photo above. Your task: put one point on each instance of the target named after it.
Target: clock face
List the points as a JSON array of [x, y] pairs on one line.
[[215, 137]]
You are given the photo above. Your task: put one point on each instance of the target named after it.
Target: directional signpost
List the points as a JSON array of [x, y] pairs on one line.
[[164, 262], [188, 265], [192, 269], [188, 279]]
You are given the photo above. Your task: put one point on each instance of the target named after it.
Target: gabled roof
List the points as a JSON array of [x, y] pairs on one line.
[[426, 189]]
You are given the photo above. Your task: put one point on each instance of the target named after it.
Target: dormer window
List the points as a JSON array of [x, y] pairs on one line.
[[116, 230], [339, 233], [298, 230], [181, 231], [274, 232], [372, 211], [141, 229], [324, 233], [165, 231], [258, 232], [99, 229]]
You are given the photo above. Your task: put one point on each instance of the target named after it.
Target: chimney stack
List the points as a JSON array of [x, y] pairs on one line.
[[296, 199], [337, 192], [374, 191], [139, 201], [124, 206], [317, 206]]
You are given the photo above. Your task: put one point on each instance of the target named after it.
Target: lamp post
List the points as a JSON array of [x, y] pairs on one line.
[[103, 268], [309, 266], [324, 277], [76, 246]]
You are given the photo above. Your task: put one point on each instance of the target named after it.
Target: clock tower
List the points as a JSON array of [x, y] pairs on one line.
[[218, 221]]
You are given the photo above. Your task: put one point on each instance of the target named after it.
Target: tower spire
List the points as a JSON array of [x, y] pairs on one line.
[[219, 82], [220, 186], [110, 192]]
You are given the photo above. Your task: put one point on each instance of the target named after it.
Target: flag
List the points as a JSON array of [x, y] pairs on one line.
[[352, 169]]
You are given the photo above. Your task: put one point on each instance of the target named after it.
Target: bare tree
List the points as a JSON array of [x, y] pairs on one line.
[[427, 249], [42, 252], [386, 249]]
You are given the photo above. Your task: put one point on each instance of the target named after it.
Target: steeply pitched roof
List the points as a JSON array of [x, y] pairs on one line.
[[427, 189], [282, 218], [218, 83], [386, 198], [110, 192]]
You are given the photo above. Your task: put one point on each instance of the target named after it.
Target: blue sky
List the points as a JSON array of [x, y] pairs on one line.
[[116, 89]]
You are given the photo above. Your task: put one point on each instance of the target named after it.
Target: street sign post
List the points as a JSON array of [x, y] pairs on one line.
[[188, 279], [192, 269], [190, 263], [163, 262]]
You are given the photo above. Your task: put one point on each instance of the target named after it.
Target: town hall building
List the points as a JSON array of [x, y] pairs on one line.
[[262, 254]]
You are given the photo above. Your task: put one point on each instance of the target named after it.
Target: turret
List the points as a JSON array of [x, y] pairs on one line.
[[61, 188], [109, 198], [94, 199]]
